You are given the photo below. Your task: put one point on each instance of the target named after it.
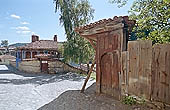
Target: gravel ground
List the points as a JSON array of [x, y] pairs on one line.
[[28, 91], [74, 100]]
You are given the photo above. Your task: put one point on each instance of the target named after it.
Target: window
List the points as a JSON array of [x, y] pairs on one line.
[[46, 52]]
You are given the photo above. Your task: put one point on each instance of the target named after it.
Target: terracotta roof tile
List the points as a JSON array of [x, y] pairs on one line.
[[105, 21], [2, 48], [41, 44]]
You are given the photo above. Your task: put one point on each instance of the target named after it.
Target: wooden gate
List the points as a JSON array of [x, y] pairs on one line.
[[109, 64], [109, 38], [44, 66], [110, 74]]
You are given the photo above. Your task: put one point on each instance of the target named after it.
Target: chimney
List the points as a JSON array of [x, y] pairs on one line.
[[35, 38], [55, 38]]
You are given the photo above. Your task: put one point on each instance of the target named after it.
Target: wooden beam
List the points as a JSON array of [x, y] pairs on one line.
[[92, 43], [89, 74], [90, 37]]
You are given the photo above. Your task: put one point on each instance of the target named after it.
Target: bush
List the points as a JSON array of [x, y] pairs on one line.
[[129, 100]]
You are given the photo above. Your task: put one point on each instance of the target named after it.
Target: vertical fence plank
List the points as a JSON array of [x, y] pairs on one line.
[[133, 48], [145, 61], [139, 75], [168, 75], [149, 70], [161, 73], [124, 71]]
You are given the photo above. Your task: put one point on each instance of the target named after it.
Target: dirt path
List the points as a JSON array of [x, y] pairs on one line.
[[74, 100], [28, 91]]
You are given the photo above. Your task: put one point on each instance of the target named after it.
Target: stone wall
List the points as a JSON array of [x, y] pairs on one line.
[[30, 66], [54, 66], [58, 66], [13, 63], [4, 61]]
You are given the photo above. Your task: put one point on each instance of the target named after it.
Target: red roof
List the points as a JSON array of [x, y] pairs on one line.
[[91, 30], [105, 21], [41, 45], [2, 48]]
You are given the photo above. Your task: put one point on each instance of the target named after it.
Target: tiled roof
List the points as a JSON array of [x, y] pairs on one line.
[[2, 48], [41, 45], [105, 21]]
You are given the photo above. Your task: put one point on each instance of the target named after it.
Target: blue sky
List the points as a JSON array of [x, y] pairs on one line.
[[19, 19]]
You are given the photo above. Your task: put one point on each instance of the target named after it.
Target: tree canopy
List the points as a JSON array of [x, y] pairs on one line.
[[74, 13], [153, 20], [152, 16], [119, 2], [4, 43]]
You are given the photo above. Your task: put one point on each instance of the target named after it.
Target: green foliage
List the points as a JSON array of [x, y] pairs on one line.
[[153, 20], [4, 43], [61, 49], [119, 2], [1, 53], [74, 13], [129, 100], [78, 50]]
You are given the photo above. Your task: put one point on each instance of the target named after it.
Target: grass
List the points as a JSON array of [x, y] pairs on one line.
[[129, 100]]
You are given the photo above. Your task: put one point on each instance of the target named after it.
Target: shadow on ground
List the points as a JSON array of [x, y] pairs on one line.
[[74, 100], [32, 78]]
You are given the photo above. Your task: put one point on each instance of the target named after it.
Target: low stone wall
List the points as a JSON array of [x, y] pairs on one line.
[[13, 63], [30, 66], [54, 66], [58, 66], [5, 61]]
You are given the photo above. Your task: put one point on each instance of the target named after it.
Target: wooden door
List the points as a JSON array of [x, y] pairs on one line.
[[110, 74], [44, 66], [108, 64]]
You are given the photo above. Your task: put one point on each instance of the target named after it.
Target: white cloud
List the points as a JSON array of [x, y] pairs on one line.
[[23, 32], [24, 23], [32, 33], [15, 16], [23, 28]]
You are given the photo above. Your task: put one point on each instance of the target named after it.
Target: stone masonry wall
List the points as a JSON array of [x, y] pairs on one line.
[[30, 66], [13, 63], [56, 66]]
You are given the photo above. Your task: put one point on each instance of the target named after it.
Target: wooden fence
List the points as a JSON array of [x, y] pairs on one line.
[[146, 70]]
